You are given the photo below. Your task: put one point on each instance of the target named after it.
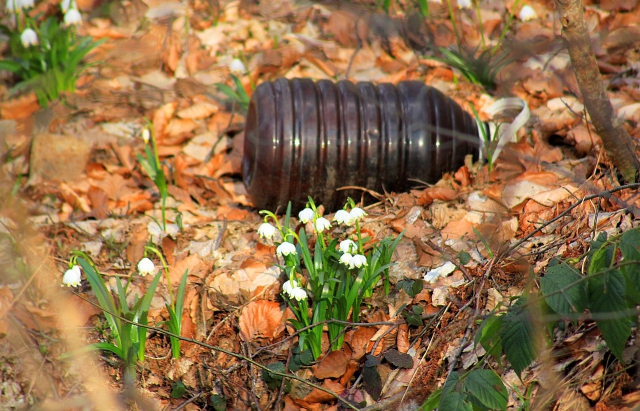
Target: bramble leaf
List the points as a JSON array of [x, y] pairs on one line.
[[518, 334], [609, 308], [488, 388], [563, 297], [454, 401]]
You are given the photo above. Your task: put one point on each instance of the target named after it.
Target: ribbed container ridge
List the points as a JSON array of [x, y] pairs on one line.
[[306, 138]]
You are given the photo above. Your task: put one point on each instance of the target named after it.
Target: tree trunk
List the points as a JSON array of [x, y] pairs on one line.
[[616, 140]]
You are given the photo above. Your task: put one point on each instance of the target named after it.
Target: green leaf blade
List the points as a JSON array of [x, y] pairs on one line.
[[488, 388], [563, 291], [609, 308], [519, 336]]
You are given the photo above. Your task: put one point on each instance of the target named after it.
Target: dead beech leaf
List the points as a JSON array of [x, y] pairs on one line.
[[161, 118], [179, 126], [73, 199], [6, 301], [99, 204], [193, 264], [198, 111], [332, 366], [403, 338], [19, 108], [261, 320], [360, 340], [317, 396]]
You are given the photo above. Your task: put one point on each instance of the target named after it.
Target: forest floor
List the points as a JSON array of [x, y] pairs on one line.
[[72, 181]]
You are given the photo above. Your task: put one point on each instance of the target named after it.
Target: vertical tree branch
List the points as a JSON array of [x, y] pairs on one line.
[[615, 138]]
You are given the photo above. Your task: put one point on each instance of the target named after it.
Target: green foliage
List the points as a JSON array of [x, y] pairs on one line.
[[51, 66], [479, 67], [129, 340], [480, 389], [272, 380], [153, 167], [519, 335], [238, 95], [413, 317], [564, 289], [328, 286]]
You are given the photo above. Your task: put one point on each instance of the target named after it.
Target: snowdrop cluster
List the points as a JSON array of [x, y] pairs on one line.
[[16, 5]]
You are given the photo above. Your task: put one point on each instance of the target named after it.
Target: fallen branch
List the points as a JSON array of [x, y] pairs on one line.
[[616, 140]]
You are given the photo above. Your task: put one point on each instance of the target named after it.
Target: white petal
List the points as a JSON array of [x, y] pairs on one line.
[[357, 213], [72, 277], [359, 260], [266, 230], [285, 249], [72, 16], [347, 246], [322, 224], [464, 4], [146, 266], [342, 217], [299, 293], [29, 38], [306, 215], [527, 13], [346, 259], [237, 66]]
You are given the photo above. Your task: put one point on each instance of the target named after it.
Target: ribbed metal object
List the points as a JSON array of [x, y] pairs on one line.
[[306, 138]]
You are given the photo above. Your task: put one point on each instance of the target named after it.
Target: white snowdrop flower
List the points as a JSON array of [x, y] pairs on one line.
[[288, 286], [322, 224], [286, 249], [146, 135], [298, 293], [72, 277], [29, 38], [347, 246], [527, 13], [306, 215], [357, 213], [266, 231], [72, 17], [146, 266], [359, 260], [347, 259], [237, 66], [68, 4], [464, 4], [15, 5], [293, 290], [342, 217]]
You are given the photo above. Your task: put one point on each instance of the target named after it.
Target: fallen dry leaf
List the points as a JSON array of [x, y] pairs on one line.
[[359, 340], [333, 365], [198, 111], [261, 320]]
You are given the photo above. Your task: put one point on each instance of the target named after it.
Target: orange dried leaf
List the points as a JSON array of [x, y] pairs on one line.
[[402, 340], [332, 366], [198, 111], [360, 340], [19, 108], [161, 118], [179, 126], [261, 320]]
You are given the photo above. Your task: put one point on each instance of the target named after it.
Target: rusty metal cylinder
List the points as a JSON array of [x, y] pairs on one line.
[[308, 138]]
